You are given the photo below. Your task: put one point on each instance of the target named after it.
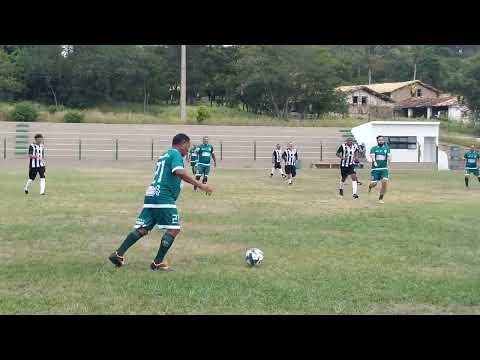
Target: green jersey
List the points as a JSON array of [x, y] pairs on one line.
[[471, 158], [381, 156], [165, 186], [204, 154], [193, 154]]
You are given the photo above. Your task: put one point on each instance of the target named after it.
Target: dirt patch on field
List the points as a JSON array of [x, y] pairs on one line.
[[423, 309]]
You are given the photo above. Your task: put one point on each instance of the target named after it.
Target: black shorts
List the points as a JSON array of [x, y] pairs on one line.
[[277, 165], [32, 173], [291, 169], [346, 171]]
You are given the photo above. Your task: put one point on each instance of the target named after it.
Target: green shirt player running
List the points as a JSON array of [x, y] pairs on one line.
[[193, 157], [471, 166], [381, 158], [159, 203], [205, 153]]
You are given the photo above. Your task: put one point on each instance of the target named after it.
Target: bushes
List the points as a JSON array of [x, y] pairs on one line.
[[25, 112], [73, 117], [203, 113]]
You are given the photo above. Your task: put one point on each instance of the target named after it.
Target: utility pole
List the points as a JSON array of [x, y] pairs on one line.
[[183, 85]]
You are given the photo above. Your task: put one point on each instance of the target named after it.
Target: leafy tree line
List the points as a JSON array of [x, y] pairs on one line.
[[264, 79]]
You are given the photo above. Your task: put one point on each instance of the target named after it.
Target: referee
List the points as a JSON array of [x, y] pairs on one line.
[[348, 154], [290, 156], [36, 164]]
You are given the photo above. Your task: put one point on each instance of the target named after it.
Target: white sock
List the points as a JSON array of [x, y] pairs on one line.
[[354, 187], [27, 185], [341, 185], [42, 185], [281, 171], [273, 170], [289, 181]]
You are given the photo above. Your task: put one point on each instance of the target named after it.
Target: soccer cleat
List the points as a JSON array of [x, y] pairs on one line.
[[359, 182], [271, 175], [340, 191], [162, 266], [284, 176], [355, 196], [26, 191], [370, 189], [42, 193], [381, 201], [116, 259]]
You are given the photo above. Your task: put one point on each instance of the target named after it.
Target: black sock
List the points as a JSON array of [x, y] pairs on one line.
[[165, 244], [204, 181], [380, 197], [478, 179], [131, 239], [466, 181]]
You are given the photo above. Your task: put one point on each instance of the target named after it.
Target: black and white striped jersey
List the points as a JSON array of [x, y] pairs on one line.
[[348, 154], [36, 150], [276, 156], [290, 156]]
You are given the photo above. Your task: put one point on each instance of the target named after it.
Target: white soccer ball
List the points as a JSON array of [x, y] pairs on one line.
[[254, 257]]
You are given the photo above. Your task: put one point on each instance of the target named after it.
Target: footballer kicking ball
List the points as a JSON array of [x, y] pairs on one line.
[[254, 257]]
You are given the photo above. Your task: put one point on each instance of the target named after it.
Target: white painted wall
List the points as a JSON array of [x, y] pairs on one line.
[[367, 133]]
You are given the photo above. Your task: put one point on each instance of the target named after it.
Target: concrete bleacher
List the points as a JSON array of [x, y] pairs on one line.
[[235, 146]]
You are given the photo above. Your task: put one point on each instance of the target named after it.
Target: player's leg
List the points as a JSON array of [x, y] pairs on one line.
[[169, 220], [383, 190], [354, 184], [32, 174], [294, 174], [374, 180], [206, 171], [144, 223], [477, 174], [343, 177], [273, 170], [281, 171], [198, 174], [41, 171], [467, 175]]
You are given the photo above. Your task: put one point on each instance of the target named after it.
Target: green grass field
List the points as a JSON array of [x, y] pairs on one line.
[[418, 253]]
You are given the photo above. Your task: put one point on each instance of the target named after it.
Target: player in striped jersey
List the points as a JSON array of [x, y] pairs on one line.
[[159, 203], [277, 161], [36, 164], [290, 156], [348, 154]]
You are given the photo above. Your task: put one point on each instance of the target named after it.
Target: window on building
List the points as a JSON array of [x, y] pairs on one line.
[[355, 100], [401, 142], [364, 100], [419, 92]]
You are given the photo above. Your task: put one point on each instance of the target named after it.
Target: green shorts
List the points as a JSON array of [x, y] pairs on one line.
[[378, 175], [203, 170], [165, 218], [473, 171]]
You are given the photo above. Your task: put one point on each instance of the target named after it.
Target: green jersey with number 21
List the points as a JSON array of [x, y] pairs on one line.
[[165, 186]]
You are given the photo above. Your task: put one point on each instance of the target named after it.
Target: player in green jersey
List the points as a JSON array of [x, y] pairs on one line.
[[193, 158], [159, 203], [205, 153], [381, 158], [471, 167]]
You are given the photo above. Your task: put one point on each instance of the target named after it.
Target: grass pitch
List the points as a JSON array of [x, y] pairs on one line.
[[418, 253]]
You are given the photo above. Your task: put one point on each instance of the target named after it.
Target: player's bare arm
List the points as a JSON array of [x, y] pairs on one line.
[[185, 177], [214, 160]]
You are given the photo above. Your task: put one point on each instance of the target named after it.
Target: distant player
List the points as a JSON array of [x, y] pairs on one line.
[[471, 166], [36, 164], [159, 203], [361, 155], [381, 158], [193, 158], [290, 156], [348, 153], [205, 154], [277, 161]]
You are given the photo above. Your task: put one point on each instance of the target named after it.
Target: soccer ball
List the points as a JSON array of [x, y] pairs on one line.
[[254, 257]]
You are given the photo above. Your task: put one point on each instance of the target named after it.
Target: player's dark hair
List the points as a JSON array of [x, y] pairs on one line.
[[379, 136], [38, 136], [180, 139]]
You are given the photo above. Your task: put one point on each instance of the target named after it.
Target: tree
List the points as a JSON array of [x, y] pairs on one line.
[[10, 85]]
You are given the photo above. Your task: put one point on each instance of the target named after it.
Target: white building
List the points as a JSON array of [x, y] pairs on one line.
[[409, 141]]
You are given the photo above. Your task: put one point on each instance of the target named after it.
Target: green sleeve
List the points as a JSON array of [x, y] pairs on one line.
[[177, 162], [465, 155]]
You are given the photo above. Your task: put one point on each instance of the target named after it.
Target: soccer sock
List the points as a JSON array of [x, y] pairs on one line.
[[205, 179], [354, 187], [27, 185], [380, 197], [273, 170], [478, 179], [165, 244], [131, 239], [340, 187], [42, 185], [466, 181], [281, 172], [289, 181]]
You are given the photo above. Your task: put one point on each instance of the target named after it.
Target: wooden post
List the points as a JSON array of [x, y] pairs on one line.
[[4, 148], [255, 150], [116, 149], [221, 150], [152, 151], [79, 149], [321, 151]]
